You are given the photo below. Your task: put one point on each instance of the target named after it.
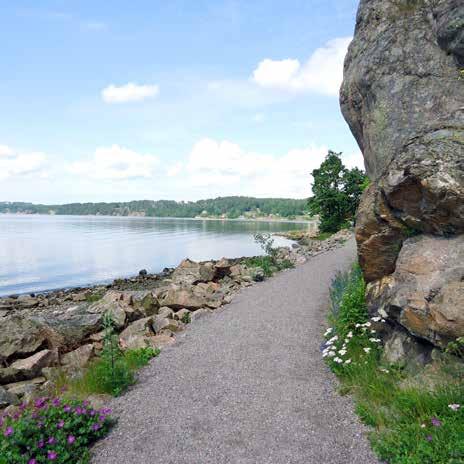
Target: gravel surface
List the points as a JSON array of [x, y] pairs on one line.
[[245, 385]]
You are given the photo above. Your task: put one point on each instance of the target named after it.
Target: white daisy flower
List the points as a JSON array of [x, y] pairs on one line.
[[328, 331]]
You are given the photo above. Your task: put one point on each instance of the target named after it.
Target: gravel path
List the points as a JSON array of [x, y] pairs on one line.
[[245, 385]]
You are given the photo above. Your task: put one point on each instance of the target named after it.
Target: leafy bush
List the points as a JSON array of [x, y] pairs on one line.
[[51, 430], [135, 359], [266, 242], [111, 375], [114, 371], [456, 348], [94, 297], [269, 263], [336, 193], [264, 262], [409, 425]]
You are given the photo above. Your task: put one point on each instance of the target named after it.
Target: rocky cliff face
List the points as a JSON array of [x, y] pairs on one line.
[[403, 98]]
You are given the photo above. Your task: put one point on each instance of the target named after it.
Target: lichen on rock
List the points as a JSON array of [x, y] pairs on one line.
[[403, 98]]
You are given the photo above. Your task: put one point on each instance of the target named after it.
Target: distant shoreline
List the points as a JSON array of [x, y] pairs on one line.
[[259, 219]]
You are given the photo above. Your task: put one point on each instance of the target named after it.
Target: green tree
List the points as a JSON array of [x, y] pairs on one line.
[[336, 192]]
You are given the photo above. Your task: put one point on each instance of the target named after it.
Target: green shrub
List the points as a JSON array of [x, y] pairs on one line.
[[114, 371], [409, 425], [269, 263], [135, 359], [51, 430], [94, 297], [323, 236], [111, 375], [456, 348]]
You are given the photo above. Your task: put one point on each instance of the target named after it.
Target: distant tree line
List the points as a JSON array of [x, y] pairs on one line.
[[230, 207]]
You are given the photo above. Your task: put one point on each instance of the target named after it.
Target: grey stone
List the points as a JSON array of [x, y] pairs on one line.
[[32, 366], [7, 398]]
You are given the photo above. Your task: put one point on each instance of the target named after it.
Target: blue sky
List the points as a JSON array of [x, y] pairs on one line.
[[112, 101]]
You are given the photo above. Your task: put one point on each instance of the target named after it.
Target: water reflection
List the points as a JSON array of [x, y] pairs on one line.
[[44, 252]]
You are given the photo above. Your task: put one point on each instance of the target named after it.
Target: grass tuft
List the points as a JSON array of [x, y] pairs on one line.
[[409, 425]]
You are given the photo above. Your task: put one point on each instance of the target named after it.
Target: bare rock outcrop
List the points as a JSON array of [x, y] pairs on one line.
[[403, 98]]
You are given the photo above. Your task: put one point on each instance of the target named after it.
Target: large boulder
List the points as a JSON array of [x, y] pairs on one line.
[[21, 336], [32, 366], [137, 335], [78, 358], [73, 325], [425, 293], [192, 297], [403, 98], [7, 398], [189, 272]]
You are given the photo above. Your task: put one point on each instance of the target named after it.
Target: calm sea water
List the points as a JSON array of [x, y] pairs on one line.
[[40, 253]]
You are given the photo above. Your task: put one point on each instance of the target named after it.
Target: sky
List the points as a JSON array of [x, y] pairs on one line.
[[150, 99]]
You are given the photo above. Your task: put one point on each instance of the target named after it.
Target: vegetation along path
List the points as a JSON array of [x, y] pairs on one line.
[[246, 385]]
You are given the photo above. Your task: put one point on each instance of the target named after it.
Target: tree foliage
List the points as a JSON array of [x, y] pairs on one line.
[[230, 207], [336, 192]]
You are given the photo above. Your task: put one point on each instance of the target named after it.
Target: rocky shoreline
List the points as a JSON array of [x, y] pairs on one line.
[[47, 334]]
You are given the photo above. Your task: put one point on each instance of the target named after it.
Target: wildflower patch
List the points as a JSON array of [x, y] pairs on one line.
[[408, 425], [52, 431]]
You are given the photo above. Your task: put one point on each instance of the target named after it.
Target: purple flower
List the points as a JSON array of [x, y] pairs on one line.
[[32, 461], [60, 424], [429, 438], [78, 410], [86, 403], [8, 432], [435, 422], [51, 441], [40, 444], [71, 439], [95, 427], [23, 406], [40, 402], [52, 455], [92, 412], [56, 402], [67, 408]]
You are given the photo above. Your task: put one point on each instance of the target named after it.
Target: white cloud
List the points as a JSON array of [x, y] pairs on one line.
[[130, 92], [116, 163], [14, 164], [354, 160], [322, 73], [6, 151], [224, 168]]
